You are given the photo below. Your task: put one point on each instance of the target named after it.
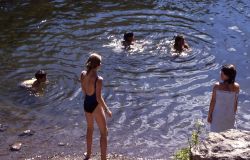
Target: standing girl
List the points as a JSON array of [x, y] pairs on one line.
[[94, 104], [224, 101]]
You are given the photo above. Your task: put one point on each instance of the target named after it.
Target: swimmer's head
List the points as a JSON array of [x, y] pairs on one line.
[[128, 37], [93, 62], [41, 76], [228, 73], [179, 41]]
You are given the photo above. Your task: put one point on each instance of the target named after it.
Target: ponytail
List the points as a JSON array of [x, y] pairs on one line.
[[93, 61]]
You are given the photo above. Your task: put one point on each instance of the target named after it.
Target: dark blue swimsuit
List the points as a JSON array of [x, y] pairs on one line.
[[90, 102]]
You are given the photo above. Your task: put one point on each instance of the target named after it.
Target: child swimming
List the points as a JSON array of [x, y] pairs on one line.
[[94, 104], [180, 44], [128, 39], [224, 101], [36, 84]]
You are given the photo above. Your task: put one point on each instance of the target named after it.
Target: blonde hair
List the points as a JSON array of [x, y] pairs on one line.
[[93, 61]]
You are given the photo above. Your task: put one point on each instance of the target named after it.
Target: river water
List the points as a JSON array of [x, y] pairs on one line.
[[155, 97]]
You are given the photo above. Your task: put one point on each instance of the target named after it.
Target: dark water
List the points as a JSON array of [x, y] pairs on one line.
[[155, 97]]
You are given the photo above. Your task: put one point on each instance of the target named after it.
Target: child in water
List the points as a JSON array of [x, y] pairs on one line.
[[36, 84], [128, 39], [224, 101], [94, 104], [180, 44]]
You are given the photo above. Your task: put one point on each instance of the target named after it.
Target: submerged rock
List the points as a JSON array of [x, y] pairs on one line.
[[232, 144], [16, 146], [27, 133], [62, 144]]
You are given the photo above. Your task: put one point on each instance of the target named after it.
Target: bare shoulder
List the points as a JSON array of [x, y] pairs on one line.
[[27, 83], [100, 79], [83, 74], [216, 85], [237, 86]]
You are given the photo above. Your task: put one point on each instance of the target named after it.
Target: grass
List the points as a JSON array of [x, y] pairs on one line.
[[185, 153]]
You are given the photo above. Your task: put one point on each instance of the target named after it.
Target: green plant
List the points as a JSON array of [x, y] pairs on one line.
[[185, 153]]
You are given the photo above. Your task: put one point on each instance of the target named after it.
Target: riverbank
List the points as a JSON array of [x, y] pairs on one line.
[[231, 144], [96, 156]]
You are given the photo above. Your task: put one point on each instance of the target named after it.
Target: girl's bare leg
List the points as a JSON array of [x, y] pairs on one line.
[[101, 122], [90, 129]]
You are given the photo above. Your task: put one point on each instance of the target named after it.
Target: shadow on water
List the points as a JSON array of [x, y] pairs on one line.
[[155, 96]]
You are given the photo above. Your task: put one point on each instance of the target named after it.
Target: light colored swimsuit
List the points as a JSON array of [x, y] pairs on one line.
[[223, 117]]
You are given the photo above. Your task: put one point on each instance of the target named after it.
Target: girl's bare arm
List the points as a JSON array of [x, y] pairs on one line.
[[236, 98], [99, 97], [81, 79], [212, 104]]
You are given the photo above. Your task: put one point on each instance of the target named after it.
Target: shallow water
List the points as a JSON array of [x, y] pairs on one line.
[[155, 97]]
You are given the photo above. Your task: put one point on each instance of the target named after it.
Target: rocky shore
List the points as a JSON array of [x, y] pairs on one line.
[[31, 144], [229, 145], [111, 156]]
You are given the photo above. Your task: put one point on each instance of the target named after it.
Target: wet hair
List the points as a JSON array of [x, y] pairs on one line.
[[93, 61], [177, 39], [128, 35], [230, 71], [40, 74]]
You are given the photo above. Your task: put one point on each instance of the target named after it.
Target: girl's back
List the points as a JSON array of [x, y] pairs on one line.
[[224, 109], [88, 83], [227, 87]]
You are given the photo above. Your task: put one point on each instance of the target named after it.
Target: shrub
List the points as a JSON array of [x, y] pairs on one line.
[[185, 153]]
